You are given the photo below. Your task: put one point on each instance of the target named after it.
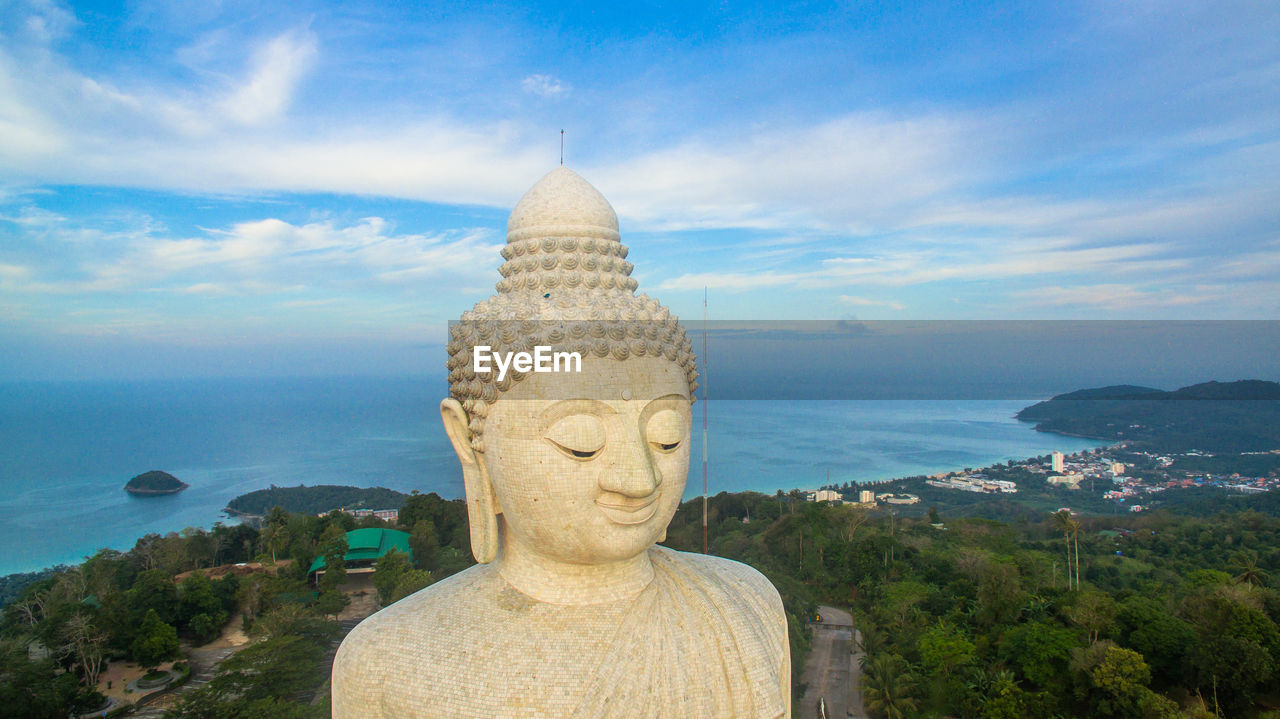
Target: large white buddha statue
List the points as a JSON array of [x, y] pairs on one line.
[[571, 478]]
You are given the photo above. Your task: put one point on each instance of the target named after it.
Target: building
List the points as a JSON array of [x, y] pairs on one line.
[[824, 495], [1070, 481], [866, 496], [975, 483], [899, 498], [365, 547], [387, 515], [1117, 468], [1056, 462]]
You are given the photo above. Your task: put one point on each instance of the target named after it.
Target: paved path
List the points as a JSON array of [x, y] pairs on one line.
[[831, 673], [204, 664]]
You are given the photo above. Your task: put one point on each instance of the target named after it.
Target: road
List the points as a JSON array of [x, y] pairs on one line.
[[832, 674]]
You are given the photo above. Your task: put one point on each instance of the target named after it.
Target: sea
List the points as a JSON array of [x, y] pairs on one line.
[[68, 448]]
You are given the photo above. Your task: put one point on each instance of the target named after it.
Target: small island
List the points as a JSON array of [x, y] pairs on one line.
[[155, 482]]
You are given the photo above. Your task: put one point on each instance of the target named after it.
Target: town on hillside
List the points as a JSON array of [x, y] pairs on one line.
[[1115, 478]]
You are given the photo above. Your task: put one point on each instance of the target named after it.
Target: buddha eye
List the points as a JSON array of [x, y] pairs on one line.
[[579, 436], [665, 431]]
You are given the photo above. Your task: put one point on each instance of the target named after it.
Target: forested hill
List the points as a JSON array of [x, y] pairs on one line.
[[1241, 416], [315, 500], [155, 482]]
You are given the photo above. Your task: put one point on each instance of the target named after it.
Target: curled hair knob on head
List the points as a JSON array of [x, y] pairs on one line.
[[565, 285]]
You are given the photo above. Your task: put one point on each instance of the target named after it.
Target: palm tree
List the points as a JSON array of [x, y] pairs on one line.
[[870, 640], [1075, 536], [888, 687], [1063, 521], [986, 681], [1249, 571]]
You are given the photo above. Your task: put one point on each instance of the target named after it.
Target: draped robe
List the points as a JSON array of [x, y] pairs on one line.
[[707, 637]]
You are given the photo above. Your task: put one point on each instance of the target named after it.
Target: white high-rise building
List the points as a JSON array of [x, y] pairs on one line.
[[1057, 462], [866, 496]]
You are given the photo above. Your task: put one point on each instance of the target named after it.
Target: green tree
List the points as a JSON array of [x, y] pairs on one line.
[[889, 688], [943, 649], [153, 591], [277, 539], [277, 668], [333, 547], [1116, 681], [204, 628], [1163, 639], [410, 582], [205, 703], [1238, 646], [156, 641], [34, 688], [901, 600], [295, 620], [1248, 571], [331, 601], [196, 595], [275, 517], [425, 544], [387, 572], [1000, 593], [1040, 651], [1000, 697], [448, 519], [1093, 612], [1070, 528]]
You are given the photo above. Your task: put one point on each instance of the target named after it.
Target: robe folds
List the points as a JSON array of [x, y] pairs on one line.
[[707, 637]]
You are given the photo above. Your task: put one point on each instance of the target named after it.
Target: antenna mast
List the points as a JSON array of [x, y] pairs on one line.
[[562, 148], [706, 386]]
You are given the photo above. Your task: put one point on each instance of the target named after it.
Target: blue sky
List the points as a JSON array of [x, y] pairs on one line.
[[222, 187]]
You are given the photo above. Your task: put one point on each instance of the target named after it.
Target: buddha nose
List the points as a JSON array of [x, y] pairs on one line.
[[633, 473]]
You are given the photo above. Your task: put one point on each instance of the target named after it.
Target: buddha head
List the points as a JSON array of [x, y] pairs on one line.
[[583, 455]]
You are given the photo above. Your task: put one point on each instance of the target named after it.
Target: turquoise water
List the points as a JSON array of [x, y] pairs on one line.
[[67, 449]]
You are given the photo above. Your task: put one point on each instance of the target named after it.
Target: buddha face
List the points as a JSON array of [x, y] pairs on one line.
[[589, 467]]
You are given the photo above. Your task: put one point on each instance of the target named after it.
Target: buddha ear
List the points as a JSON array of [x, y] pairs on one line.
[[482, 508]]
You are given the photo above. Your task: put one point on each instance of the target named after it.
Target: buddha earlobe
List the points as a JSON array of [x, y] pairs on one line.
[[482, 506]]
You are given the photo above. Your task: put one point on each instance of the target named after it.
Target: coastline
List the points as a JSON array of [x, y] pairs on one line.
[[154, 492], [1073, 434], [347, 438]]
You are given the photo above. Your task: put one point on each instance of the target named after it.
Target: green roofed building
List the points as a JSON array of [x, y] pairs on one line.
[[366, 546]]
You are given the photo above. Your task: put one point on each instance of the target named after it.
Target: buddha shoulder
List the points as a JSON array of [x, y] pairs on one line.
[[421, 631], [734, 578]]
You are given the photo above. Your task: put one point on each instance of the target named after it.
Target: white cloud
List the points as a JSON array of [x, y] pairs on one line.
[[856, 301], [45, 20], [205, 288], [1111, 297], [268, 256], [927, 265], [861, 173], [896, 197], [855, 172], [276, 68], [13, 272], [544, 86]]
